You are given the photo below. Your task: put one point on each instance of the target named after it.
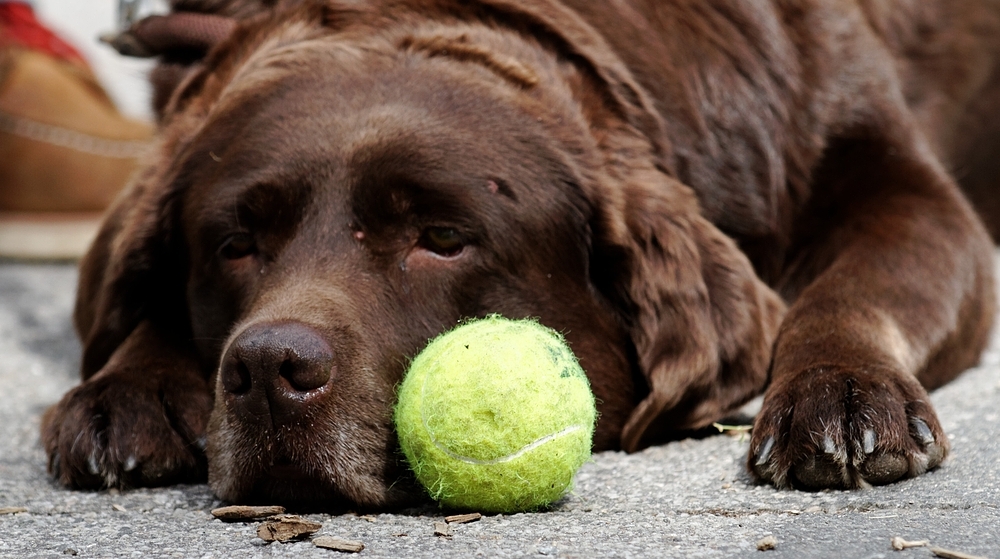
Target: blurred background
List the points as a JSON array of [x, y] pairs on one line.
[[72, 131], [81, 22]]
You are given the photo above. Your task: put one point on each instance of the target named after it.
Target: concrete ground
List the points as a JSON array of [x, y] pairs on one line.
[[691, 498]]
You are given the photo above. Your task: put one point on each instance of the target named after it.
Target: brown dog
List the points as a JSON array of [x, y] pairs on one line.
[[340, 181]]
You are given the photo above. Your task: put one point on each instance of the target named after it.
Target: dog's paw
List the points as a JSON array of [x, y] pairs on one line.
[[836, 428], [129, 429]]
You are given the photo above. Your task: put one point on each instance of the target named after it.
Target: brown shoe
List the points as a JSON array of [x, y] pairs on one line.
[[67, 152]]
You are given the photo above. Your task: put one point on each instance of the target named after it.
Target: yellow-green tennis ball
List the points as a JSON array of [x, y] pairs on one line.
[[496, 416]]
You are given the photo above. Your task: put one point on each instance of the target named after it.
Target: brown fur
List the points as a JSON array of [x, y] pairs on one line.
[[341, 181]]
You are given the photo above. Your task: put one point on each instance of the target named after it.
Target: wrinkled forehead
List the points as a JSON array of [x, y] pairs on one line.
[[331, 102], [440, 72]]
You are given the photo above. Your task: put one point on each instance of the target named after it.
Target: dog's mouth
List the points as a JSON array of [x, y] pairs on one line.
[[298, 488], [291, 485], [284, 469], [311, 480]]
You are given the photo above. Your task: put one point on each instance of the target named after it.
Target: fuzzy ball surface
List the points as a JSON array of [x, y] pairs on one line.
[[496, 416]]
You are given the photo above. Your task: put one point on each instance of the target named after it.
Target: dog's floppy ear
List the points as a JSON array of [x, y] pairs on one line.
[[701, 321], [131, 273]]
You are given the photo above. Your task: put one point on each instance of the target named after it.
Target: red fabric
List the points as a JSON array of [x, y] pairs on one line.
[[20, 27]]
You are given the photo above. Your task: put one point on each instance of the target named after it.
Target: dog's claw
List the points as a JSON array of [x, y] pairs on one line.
[[868, 441], [829, 447], [924, 434], [764, 452], [55, 465]]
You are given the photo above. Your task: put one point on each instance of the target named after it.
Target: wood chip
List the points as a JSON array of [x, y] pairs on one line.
[[286, 527], [118, 508], [368, 517], [12, 510], [766, 543], [442, 529], [900, 544], [338, 544], [948, 554], [462, 518], [242, 513]]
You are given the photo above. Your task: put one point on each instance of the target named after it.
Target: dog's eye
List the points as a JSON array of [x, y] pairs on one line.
[[238, 246], [442, 240]]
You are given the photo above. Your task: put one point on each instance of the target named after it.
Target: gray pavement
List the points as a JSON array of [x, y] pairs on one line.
[[686, 499]]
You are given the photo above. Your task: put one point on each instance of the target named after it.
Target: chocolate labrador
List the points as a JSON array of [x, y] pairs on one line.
[[711, 199]]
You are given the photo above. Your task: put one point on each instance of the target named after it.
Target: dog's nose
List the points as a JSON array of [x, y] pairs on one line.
[[276, 369]]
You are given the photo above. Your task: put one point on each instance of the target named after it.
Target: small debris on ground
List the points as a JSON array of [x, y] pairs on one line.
[[70, 551], [766, 543], [732, 429], [286, 527], [900, 544], [12, 510], [240, 513], [949, 554], [462, 518], [369, 517], [442, 529], [338, 544], [118, 507]]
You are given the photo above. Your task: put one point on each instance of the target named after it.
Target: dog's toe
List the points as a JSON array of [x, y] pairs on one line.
[[112, 431], [818, 472], [835, 428]]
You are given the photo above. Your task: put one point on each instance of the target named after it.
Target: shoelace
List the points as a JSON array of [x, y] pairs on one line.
[[71, 139]]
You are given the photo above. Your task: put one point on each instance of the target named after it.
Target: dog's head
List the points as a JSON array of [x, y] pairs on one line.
[[336, 186]]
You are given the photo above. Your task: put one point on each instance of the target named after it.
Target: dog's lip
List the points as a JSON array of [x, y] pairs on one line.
[[302, 483], [290, 484], [287, 471], [284, 469]]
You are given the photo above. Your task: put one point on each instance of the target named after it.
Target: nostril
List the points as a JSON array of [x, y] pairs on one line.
[[236, 377], [287, 371], [307, 373]]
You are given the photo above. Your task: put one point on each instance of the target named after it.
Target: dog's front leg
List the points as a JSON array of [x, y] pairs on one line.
[[140, 420], [893, 294]]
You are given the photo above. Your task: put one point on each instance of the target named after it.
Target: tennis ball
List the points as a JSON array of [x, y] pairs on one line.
[[496, 416]]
